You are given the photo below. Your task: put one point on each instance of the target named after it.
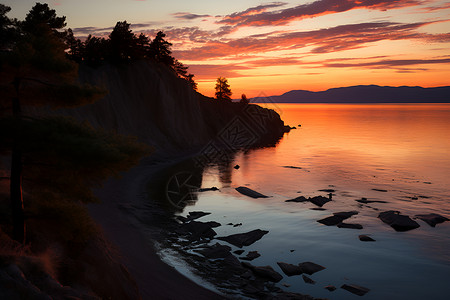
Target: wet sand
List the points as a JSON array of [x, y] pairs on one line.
[[155, 279]]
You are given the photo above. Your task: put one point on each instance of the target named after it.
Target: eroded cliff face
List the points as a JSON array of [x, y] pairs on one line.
[[149, 101]]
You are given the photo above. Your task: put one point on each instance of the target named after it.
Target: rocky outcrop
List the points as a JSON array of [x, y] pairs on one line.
[[149, 101]]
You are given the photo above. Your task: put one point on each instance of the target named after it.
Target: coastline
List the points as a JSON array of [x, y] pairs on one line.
[[155, 279]]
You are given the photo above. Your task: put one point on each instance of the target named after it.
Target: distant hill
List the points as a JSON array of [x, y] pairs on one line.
[[364, 94]]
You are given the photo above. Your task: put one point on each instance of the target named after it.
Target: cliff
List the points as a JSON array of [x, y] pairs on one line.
[[149, 101]]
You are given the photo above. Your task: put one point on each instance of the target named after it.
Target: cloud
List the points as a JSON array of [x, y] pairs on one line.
[[389, 63], [262, 17], [188, 16], [339, 38]]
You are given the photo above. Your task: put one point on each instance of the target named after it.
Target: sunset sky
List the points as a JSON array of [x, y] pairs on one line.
[[269, 48]]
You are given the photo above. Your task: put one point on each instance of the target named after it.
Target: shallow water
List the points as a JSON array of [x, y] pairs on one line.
[[352, 149]]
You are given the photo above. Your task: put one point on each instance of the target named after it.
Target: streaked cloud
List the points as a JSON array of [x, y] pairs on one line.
[[338, 38], [263, 17], [188, 16]]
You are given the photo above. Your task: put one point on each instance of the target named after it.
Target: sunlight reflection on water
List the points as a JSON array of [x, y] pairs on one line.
[[352, 149]]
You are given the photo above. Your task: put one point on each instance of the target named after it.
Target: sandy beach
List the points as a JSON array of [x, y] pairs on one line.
[[155, 279]]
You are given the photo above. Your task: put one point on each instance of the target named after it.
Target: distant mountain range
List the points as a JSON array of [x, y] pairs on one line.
[[364, 94]]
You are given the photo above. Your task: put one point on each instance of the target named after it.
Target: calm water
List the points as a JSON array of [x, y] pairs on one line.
[[353, 149]]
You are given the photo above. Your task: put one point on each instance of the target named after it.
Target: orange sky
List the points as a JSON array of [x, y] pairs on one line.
[[272, 47]]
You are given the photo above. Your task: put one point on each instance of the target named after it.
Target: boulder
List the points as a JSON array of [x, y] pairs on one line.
[[265, 271], [310, 267], [289, 269], [291, 167], [397, 221], [250, 193], [365, 238], [432, 219], [239, 252], [355, 289], [244, 239]]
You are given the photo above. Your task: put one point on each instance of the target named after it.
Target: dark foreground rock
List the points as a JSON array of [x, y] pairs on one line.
[[193, 215], [432, 219], [310, 267], [199, 230], [250, 193], [215, 251], [289, 269], [355, 289], [244, 239], [397, 221], [251, 255], [365, 238], [265, 271]]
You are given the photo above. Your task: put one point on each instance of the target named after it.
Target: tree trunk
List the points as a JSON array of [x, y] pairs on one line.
[[18, 216]]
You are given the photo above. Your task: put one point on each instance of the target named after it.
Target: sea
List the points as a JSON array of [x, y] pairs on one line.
[[396, 154]]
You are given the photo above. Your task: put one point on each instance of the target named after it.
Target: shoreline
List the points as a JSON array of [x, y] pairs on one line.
[[155, 279]]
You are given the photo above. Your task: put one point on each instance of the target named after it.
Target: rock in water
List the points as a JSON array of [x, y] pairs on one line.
[[251, 255], [331, 288], [346, 214], [331, 221], [289, 269], [215, 251], [199, 229], [365, 238], [249, 192], [319, 200], [355, 289], [349, 225], [244, 239], [432, 219], [308, 280], [264, 271], [298, 199], [337, 218], [397, 221], [310, 267]]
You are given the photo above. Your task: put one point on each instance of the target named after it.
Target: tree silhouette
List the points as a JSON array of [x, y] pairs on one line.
[[160, 50], [123, 43], [223, 91], [40, 74], [244, 99]]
